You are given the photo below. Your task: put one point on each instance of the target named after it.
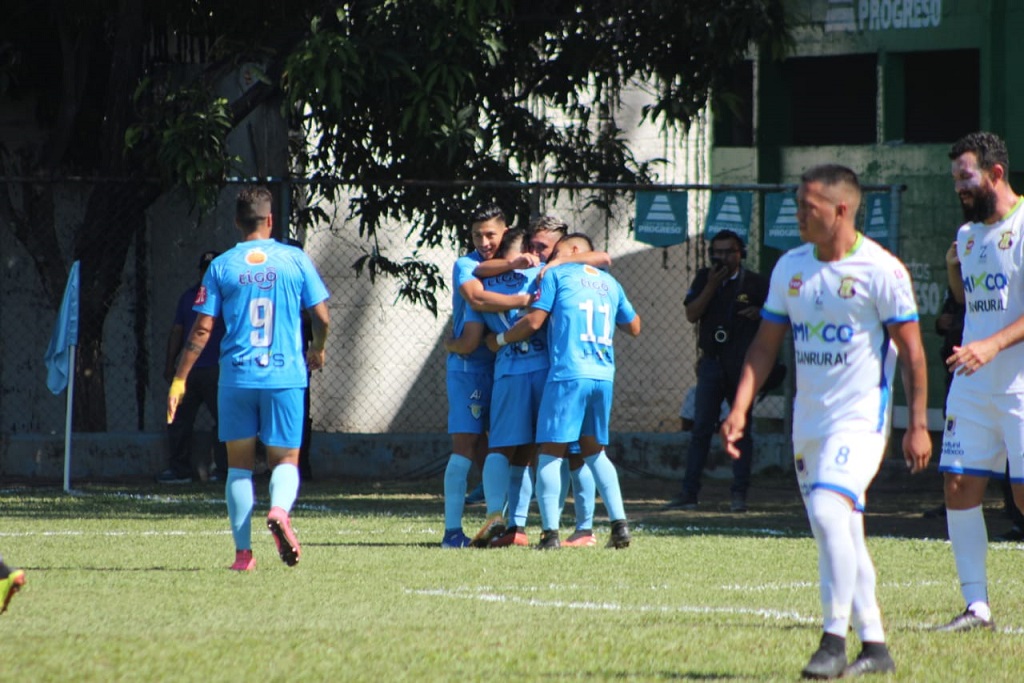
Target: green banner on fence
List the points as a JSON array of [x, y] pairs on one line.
[[729, 211], [661, 218], [781, 229]]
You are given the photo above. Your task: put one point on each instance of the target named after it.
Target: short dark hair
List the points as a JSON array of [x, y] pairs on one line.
[[988, 147], [577, 237], [486, 212], [253, 205], [548, 223], [508, 239], [728, 235], [831, 174]]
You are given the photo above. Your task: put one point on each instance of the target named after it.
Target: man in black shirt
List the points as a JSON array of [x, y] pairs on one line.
[[725, 300]]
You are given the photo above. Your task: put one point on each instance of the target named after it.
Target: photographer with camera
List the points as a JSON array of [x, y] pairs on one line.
[[725, 300]]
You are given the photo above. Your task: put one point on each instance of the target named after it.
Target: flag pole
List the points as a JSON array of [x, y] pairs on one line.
[[67, 418]]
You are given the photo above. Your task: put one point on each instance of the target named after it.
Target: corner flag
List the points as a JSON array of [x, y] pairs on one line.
[[65, 336]]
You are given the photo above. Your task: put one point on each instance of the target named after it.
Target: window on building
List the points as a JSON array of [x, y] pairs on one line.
[[832, 99], [733, 108], [942, 95]]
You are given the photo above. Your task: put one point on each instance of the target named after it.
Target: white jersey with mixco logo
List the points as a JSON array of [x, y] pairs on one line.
[[990, 264], [838, 312]]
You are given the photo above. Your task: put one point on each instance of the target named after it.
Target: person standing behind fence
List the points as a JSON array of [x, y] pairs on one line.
[[202, 386], [850, 306], [984, 431], [259, 287], [582, 306], [725, 301]]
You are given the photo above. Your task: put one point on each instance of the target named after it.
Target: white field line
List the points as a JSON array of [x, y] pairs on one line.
[[768, 614], [774, 615]]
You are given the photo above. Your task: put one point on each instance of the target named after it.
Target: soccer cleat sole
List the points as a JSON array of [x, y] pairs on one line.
[[287, 544]]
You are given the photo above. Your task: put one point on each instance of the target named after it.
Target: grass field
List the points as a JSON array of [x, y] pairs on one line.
[[129, 583]]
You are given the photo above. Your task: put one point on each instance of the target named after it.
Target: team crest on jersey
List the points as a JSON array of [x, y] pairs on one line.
[[798, 461], [969, 247], [951, 424], [200, 296], [591, 270], [476, 410], [1006, 240], [847, 287], [255, 257], [795, 283]]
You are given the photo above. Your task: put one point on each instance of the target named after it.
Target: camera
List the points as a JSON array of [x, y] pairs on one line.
[[720, 335]]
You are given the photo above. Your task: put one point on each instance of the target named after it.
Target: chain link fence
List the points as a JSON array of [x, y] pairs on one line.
[[385, 370]]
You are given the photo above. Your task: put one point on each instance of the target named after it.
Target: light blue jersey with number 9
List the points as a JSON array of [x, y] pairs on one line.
[[260, 289]]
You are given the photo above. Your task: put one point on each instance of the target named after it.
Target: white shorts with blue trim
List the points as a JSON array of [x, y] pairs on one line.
[[983, 433], [846, 463]]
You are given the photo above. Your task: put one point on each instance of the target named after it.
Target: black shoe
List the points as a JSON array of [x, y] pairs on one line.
[[739, 503], [549, 540], [827, 662], [1012, 536], [620, 537], [935, 513], [878, 662], [172, 477], [683, 502], [968, 621]]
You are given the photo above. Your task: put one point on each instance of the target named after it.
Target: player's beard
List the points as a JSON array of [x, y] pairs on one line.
[[983, 206]]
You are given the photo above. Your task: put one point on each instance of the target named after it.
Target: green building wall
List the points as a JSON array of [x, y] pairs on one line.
[[893, 31]]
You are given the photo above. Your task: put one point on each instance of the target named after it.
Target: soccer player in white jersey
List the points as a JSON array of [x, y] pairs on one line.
[[985, 407], [260, 288], [848, 302]]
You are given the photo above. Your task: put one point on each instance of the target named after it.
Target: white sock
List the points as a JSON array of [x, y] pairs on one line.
[[969, 538], [830, 513], [867, 617]]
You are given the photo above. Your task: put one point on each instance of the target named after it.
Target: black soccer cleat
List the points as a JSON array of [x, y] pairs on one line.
[[877, 662], [829, 660], [968, 621], [620, 537], [549, 540]]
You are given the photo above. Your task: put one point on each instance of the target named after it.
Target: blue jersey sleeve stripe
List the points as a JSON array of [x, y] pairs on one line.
[[774, 317], [908, 318]]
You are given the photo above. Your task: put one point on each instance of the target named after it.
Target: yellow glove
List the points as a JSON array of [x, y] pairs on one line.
[[174, 396]]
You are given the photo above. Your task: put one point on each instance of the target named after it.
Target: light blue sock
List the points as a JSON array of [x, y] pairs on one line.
[[563, 493], [549, 486], [607, 480], [241, 499], [455, 475], [583, 494], [520, 491], [284, 486], [495, 477]]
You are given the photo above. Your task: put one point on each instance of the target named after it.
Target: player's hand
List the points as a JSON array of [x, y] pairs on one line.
[[966, 360], [524, 261], [917, 449], [952, 257], [314, 359], [174, 396], [732, 431]]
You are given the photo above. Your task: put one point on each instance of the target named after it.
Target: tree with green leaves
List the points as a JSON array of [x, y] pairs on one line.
[[385, 93]]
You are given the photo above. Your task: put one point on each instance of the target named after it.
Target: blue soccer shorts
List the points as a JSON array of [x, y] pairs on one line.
[[275, 415]]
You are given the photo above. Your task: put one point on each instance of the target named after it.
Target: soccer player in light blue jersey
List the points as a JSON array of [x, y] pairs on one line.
[[582, 305], [519, 375], [850, 306], [470, 376], [260, 288]]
